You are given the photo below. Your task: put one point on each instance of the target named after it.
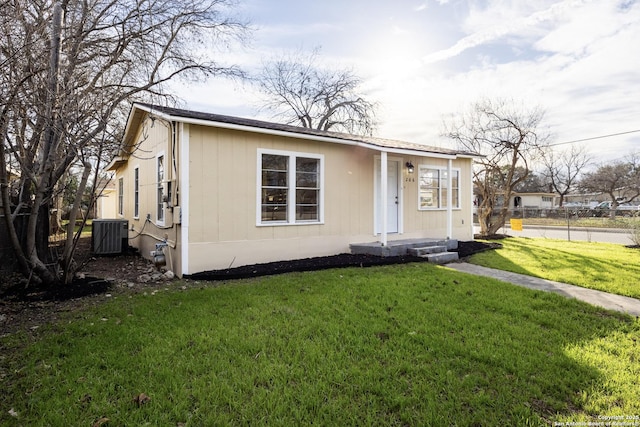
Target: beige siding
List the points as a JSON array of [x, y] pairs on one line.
[[223, 193], [107, 204], [433, 223], [223, 190], [151, 140]]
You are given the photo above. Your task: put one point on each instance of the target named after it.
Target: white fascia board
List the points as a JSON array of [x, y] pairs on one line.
[[408, 152], [112, 163], [157, 113]]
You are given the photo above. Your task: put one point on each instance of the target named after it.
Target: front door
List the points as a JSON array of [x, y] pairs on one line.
[[392, 202]]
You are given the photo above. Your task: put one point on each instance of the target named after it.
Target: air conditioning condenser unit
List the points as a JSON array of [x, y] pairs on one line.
[[109, 236]]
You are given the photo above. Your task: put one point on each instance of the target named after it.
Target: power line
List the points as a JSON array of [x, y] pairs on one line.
[[595, 137]]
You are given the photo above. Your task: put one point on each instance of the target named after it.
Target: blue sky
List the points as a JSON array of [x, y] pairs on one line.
[[424, 60]]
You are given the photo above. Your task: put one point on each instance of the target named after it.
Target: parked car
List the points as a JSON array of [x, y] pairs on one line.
[[623, 209]]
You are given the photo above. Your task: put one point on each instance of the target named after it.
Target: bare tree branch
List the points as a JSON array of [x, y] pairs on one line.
[[619, 180], [508, 138], [111, 52], [298, 91], [562, 169]]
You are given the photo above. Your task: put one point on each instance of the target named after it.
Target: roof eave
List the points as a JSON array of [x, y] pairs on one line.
[[299, 135], [115, 163]]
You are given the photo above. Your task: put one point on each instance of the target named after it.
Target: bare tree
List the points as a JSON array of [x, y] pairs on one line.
[[533, 183], [298, 91], [562, 169], [70, 69], [508, 138], [619, 180]]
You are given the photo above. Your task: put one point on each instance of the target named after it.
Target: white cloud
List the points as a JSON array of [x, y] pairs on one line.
[[577, 59], [585, 78], [500, 19], [586, 25]]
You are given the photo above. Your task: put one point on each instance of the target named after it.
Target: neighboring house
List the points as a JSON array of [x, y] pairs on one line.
[[532, 200], [107, 201], [225, 191]]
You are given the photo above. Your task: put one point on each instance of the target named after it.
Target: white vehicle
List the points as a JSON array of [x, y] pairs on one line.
[[624, 209]]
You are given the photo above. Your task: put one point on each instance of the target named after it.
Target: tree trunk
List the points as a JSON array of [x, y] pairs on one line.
[[51, 138], [16, 244], [70, 244], [489, 222]]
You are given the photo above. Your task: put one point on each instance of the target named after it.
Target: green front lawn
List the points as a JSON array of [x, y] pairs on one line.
[[603, 266], [399, 345]]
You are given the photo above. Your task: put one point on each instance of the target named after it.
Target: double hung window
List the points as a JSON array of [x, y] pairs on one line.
[[136, 192], [160, 189], [121, 196], [434, 188], [290, 188]]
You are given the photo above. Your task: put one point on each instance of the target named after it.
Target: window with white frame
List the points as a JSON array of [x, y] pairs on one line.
[[136, 192], [121, 196], [290, 187], [433, 188], [160, 189]]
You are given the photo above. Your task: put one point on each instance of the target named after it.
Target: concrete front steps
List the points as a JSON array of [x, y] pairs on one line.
[[436, 251], [436, 254]]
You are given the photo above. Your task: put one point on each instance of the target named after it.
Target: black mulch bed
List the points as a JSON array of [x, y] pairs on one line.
[[465, 249], [306, 264], [79, 288]]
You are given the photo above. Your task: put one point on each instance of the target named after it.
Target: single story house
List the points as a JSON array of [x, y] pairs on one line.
[[532, 200], [225, 191]]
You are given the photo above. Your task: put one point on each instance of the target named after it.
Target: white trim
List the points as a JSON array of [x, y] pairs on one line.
[[120, 208], [377, 159], [136, 168], [290, 134], [441, 169], [291, 205], [384, 190], [155, 186], [472, 199], [184, 195], [450, 198]]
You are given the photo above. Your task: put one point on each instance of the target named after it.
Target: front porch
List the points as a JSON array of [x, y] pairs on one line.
[[437, 251]]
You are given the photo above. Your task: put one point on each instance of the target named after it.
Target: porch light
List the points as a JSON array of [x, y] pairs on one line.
[[409, 166]]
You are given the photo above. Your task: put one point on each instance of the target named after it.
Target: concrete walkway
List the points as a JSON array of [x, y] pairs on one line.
[[602, 299]]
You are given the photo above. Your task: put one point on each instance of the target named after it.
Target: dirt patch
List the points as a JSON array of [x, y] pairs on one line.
[[28, 307]]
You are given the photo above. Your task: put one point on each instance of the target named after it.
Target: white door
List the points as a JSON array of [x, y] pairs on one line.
[[392, 203]]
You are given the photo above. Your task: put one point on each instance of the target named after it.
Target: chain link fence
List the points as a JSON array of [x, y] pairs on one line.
[[625, 219]]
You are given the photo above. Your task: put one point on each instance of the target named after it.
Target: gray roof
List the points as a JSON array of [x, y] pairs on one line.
[[259, 124]]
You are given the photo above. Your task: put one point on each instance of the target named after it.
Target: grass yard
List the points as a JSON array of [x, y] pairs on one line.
[[414, 344], [603, 266]]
